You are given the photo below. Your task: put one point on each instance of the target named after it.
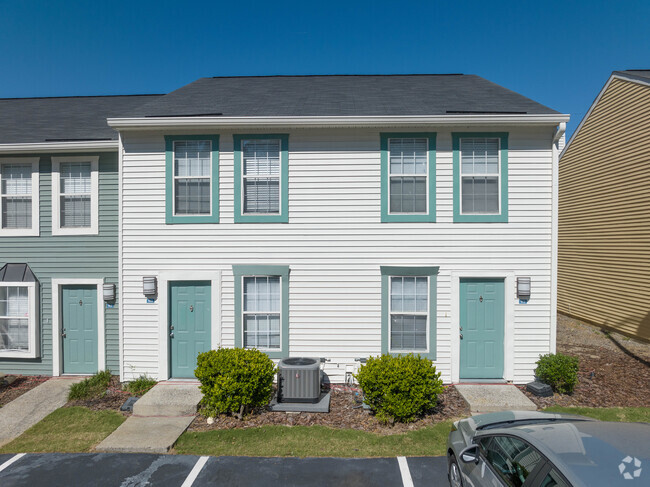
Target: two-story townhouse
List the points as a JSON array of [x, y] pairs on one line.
[[59, 234], [340, 217]]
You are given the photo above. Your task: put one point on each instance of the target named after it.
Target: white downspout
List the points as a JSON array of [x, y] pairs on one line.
[[555, 154]]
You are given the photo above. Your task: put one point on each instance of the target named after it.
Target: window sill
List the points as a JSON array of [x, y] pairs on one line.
[[258, 218], [503, 218], [20, 232], [177, 219], [408, 218], [16, 354], [74, 231]]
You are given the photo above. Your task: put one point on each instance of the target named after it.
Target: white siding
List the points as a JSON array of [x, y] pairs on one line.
[[335, 243]]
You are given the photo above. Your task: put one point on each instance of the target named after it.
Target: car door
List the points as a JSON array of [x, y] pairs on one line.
[[505, 461]]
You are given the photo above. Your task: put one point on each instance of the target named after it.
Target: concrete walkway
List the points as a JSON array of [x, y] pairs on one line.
[[159, 418], [25, 411], [490, 398]]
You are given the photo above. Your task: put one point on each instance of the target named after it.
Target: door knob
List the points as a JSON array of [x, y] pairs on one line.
[[461, 336], [171, 334]]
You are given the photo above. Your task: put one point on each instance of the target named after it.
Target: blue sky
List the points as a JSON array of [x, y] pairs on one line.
[[559, 53]]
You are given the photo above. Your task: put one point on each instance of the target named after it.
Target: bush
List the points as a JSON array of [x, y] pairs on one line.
[[558, 371], [400, 388], [141, 385], [234, 380], [92, 387]]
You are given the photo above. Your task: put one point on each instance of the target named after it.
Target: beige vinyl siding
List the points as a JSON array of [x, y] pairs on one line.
[[604, 214], [335, 244]]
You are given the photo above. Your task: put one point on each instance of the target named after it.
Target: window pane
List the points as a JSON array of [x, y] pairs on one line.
[[75, 211], [408, 332], [14, 318], [408, 195], [262, 331], [192, 158], [553, 479], [262, 293], [14, 334], [261, 157], [16, 212], [479, 155], [408, 156], [513, 459], [480, 195], [261, 195], [75, 177], [192, 196], [16, 179]]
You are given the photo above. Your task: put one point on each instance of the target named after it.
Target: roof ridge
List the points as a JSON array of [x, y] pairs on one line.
[[337, 75]]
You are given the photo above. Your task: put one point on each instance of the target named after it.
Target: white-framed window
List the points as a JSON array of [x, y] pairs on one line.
[[75, 195], [18, 320], [260, 176], [480, 171], [408, 174], [409, 314], [19, 190], [262, 312], [192, 177]]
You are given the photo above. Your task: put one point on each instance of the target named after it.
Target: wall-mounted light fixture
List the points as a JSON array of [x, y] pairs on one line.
[[149, 286], [523, 288], [109, 292]]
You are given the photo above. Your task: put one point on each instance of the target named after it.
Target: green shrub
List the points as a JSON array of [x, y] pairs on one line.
[[558, 371], [141, 385], [92, 387], [400, 388], [234, 380]]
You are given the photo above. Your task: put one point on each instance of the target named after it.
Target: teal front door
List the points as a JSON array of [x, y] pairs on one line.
[[79, 329], [482, 321], [189, 323]]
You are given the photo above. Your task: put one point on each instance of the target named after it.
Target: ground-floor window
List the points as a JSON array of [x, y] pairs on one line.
[[18, 320], [262, 308], [409, 310]]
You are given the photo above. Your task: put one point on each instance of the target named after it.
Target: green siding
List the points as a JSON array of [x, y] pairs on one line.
[[69, 256]]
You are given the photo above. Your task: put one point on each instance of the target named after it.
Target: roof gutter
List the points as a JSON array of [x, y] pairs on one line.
[[70, 146], [315, 122]]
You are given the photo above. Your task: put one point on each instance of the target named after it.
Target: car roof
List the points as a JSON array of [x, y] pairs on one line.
[[589, 452]]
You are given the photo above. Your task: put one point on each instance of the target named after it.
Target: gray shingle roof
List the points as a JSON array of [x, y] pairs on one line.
[[29, 120], [340, 95], [17, 273]]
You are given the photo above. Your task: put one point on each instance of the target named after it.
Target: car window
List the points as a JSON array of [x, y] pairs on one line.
[[553, 479], [512, 459]]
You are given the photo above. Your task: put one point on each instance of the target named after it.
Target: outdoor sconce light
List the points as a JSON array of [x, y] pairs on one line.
[[523, 288], [149, 286], [109, 292]]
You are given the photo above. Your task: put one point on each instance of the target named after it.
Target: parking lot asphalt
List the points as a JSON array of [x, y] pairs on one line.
[[131, 470]]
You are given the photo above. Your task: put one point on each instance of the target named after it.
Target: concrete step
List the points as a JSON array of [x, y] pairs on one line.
[[169, 399], [491, 398], [145, 434], [25, 411]]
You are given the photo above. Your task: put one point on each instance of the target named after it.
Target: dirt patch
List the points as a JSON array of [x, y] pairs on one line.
[[614, 370], [113, 398], [345, 413], [12, 387]]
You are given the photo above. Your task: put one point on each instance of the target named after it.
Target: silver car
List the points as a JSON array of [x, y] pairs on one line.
[[529, 448]]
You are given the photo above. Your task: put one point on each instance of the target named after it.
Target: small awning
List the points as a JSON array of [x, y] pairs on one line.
[[17, 273]]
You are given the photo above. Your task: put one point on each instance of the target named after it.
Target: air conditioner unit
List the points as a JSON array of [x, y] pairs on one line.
[[299, 380]]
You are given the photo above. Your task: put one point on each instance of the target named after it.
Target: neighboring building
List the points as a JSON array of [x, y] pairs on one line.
[[340, 217], [59, 234], [604, 224]]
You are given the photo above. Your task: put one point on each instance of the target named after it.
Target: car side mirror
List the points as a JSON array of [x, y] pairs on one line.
[[469, 454]]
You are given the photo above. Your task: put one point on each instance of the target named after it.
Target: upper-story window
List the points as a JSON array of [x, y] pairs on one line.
[[480, 177], [192, 182], [261, 178], [19, 203], [408, 177], [75, 195]]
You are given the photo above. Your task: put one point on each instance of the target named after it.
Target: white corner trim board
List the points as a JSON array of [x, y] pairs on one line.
[[56, 322]]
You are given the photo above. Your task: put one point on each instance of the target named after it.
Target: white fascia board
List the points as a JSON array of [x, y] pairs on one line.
[[357, 121], [72, 146]]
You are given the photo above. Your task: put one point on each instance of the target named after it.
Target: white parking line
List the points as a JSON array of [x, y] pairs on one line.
[[404, 470], [195, 472], [13, 459]]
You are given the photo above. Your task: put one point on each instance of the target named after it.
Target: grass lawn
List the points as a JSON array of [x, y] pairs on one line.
[[630, 415], [74, 429], [314, 441]]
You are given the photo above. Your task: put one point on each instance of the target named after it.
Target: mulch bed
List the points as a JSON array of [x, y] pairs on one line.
[[345, 412], [21, 385], [113, 399], [614, 370]]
